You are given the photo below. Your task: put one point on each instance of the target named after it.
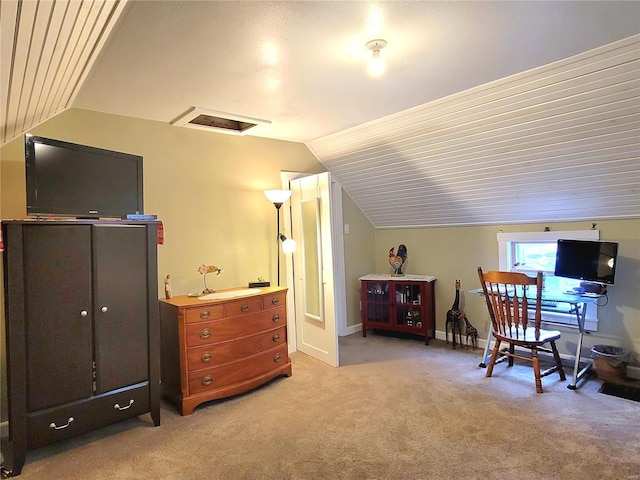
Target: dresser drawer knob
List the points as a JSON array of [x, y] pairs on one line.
[[118, 407], [276, 317], [276, 337], [84, 313], [55, 427], [277, 357], [208, 380], [205, 314], [275, 301], [244, 308], [206, 357], [206, 333]]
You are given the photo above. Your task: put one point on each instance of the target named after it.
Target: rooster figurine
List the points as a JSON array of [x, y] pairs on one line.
[[398, 261]]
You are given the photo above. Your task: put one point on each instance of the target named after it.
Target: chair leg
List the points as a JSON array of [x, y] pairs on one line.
[[494, 357], [556, 355], [512, 350], [536, 369]]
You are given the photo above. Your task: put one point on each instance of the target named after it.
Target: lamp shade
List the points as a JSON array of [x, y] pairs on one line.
[[277, 196], [289, 245]]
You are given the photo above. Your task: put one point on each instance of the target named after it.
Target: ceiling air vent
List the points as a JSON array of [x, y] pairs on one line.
[[220, 122]]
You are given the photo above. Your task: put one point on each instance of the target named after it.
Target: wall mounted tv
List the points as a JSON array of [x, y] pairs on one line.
[[66, 179], [588, 260]]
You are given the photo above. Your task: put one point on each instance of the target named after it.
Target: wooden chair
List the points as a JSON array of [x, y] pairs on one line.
[[513, 300]]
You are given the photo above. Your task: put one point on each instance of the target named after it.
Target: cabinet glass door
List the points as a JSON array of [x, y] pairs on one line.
[[377, 302], [408, 305]]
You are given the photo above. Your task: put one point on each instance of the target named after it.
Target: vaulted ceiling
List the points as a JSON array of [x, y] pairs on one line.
[[488, 112]]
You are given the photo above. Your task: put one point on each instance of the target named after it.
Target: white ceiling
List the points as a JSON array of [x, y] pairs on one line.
[[299, 64]]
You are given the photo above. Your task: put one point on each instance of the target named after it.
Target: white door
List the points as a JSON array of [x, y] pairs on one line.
[[317, 304]]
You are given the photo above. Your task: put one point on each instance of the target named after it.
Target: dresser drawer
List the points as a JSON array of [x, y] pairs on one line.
[[242, 307], [53, 424], [212, 378], [204, 313], [276, 299], [225, 352], [236, 327]]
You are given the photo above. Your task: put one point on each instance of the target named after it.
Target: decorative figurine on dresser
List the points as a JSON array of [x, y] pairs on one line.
[[405, 304], [81, 305], [222, 343]]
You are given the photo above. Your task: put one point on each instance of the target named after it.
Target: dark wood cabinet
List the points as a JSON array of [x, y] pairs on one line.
[[82, 329], [398, 303]]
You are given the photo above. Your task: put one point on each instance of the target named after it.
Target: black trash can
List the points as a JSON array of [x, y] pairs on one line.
[[610, 362]]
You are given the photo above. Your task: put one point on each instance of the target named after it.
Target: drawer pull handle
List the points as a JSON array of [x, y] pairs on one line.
[[55, 427], [104, 309], [208, 380], [206, 357], [277, 357], [118, 407], [244, 308], [275, 301], [276, 337], [205, 314], [206, 333], [276, 317], [84, 313]]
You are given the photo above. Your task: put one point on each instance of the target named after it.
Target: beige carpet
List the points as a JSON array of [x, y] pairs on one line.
[[396, 409]]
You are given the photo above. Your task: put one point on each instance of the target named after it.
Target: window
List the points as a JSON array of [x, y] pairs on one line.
[[530, 252]]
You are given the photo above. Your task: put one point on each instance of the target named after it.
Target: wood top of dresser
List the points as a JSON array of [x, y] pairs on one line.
[[188, 301]]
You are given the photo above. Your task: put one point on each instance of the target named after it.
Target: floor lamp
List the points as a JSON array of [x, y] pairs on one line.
[[278, 197]]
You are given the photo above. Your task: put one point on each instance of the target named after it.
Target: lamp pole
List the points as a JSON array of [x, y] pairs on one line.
[[278, 205]]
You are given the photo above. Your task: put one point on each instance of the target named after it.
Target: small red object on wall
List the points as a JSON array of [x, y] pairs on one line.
[[160, 234]]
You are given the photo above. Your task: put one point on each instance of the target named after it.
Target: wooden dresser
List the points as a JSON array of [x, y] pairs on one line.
[[218, 348]]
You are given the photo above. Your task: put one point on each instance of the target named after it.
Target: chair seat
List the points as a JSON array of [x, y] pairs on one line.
[[518, 336]]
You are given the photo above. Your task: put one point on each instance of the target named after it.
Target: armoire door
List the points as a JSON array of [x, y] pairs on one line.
[[57, 269], [120, 305]]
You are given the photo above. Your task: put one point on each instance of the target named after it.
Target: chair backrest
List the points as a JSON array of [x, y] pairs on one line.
[[513, 299]]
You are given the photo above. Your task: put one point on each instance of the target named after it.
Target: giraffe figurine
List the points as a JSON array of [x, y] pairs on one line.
[[453, 319], [471, 331]]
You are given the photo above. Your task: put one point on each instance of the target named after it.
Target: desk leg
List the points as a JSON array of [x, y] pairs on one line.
[[577, 375], [485, 356]]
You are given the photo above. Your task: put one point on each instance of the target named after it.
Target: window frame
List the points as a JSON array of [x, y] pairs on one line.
[[506, 248]]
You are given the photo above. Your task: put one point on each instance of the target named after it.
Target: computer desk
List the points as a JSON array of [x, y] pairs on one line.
[[579, 304]]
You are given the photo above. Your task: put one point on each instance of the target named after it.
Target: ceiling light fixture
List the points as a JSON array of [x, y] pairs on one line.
[[376, 64]]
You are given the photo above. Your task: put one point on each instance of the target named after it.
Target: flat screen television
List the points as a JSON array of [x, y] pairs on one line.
[[588, 260], [66, 179]]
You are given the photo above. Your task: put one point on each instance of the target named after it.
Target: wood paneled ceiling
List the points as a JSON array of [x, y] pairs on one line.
[[489, 112]]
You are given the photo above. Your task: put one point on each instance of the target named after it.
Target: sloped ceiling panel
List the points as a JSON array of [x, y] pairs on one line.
[[557, 143], [47, 49]]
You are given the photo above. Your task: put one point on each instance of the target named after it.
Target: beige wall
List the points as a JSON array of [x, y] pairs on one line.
[[359, 254], [455, 253]]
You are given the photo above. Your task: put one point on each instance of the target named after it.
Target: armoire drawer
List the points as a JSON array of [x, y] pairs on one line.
[[58, 423], [232, 350], [229, 373], [230, 328]]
